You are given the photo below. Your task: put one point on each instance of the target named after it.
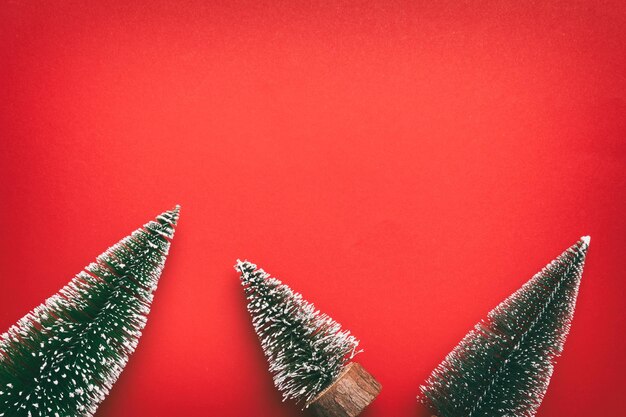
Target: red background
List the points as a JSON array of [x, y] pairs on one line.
[[404, 166]]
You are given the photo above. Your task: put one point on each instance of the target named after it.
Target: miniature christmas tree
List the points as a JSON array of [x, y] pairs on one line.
[[503, 366], [62, 358], [307, 350]]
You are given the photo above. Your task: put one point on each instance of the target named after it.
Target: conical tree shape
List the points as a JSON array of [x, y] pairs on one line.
[[503, 366], [61, 359], [306, 349]]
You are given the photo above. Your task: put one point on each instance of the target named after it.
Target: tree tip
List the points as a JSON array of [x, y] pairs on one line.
[[586, 239], [169, 217], [240, 265]]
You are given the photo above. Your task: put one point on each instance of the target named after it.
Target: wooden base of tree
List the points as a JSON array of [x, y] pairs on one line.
[[352, 391]]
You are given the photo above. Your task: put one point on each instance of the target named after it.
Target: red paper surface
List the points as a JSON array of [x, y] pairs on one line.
[[404, 166]]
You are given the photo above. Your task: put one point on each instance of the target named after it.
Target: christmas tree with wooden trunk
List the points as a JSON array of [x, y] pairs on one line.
[[61, 359], [503, 366], [307, 351]]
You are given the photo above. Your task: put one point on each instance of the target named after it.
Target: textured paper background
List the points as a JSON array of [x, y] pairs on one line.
[[404, 166]]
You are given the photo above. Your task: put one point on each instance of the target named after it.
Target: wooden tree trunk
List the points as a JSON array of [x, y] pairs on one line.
[[352, 391]]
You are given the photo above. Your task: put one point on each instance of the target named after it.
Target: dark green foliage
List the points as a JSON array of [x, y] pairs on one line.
[[305, 348], [503, 366], [61, 359]]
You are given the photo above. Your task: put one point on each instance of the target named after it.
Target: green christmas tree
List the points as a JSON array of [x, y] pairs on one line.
[[503, 366], [306, 349], [61, 359]]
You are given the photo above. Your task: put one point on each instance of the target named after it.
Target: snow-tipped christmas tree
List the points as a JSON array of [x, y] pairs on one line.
[[61, 359], [307, 351], [503, 366]]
